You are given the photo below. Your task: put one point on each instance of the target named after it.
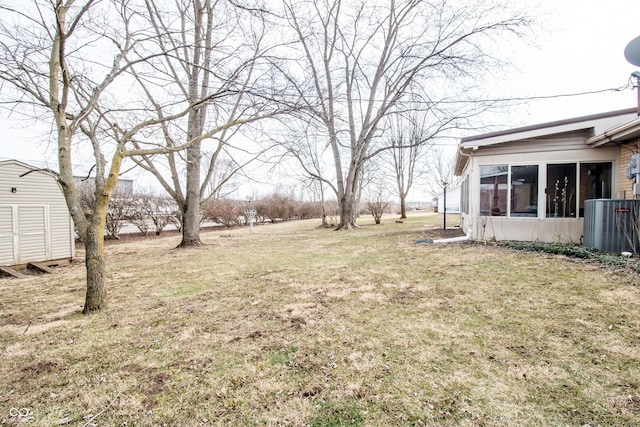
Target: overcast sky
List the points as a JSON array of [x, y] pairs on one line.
[[579, 48]]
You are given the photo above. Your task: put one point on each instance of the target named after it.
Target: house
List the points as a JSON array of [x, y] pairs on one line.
[[530, 183], [35, 225]]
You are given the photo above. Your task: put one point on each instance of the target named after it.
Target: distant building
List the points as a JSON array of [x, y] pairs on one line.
[[124, 185], [453, 200]]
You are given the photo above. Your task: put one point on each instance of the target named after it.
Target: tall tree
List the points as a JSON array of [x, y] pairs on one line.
[[356, 62], [214, 51], [439, 170], [310, 154], [411, 137], [68, 63]]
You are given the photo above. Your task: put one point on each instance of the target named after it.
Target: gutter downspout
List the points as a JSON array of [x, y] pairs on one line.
[[455, 239], [462, 153], [449, 240]]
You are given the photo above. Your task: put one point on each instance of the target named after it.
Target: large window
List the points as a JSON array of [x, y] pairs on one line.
[[561, 191], [493, 190], [524, 190], [464, 195], [513, 189], [595, 182]]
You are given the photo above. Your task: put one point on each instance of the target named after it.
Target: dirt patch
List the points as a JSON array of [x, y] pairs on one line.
[[41, 367], [405, 296], [151, 381], [156, 384], [439, 233], [429, 232]]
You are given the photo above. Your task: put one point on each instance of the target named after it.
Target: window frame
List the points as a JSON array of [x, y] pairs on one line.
[[543, 185], [573, 207], [521, 174]]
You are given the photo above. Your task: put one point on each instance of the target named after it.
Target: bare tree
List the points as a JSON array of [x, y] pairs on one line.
[[310, 153], [410, 139], [70, 61], [317, 188], [376, 207], [214, 51], [141, 212], [439, 170], [376, 193], [224, 211], [121, 210], [357, 62], [160, 211]]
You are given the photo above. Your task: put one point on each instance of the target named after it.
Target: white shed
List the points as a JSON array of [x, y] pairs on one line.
[[453, 200], [35, 225]]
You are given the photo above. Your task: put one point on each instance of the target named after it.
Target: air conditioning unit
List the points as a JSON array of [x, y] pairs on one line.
[[611, 225]]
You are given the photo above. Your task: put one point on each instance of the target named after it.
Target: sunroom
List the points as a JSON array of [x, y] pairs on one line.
[[530, 183]]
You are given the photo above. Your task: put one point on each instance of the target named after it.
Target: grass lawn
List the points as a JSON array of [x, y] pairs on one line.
[[293, 325]]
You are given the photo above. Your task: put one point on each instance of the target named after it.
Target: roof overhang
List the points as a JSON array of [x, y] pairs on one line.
[[624, 132], [597, 122], [462, 158], [594, 124], [30, 168]]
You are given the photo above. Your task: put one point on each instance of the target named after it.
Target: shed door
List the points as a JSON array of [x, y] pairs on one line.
[[32, 233], [23, 235]]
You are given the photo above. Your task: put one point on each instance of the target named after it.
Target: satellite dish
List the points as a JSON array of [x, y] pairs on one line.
[[632, 51]]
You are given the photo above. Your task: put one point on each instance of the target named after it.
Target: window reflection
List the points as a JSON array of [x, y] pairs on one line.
[[524, 190], [568, 186], [561, 190], [493, 190], [595, 182]]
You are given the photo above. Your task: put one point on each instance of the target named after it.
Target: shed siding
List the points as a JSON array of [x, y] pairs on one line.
[[40, 215], [6, 235], [32, 229]]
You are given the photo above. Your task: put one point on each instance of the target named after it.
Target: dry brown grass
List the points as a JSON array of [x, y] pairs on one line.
[[295, 325]]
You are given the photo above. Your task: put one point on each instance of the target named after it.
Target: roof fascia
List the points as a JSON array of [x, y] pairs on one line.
[[593, 122], [622, 132]]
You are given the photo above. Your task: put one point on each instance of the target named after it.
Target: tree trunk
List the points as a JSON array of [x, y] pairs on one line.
[[347, 214], [403, 206], [191, 209], [92, 232], [94, 257], [195, 128]]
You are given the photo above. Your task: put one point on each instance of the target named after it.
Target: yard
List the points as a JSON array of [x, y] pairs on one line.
[[293, 325]]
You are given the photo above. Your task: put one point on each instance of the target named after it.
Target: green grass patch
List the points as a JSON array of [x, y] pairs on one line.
[[330, 414], [281, 355]]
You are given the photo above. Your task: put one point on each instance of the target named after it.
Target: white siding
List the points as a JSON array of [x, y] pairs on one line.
[[32, 233], [40, 222], [7, 255], [453, 201], [564, 142]]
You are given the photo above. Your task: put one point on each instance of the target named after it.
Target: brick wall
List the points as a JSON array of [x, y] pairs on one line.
[[625, 185]]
